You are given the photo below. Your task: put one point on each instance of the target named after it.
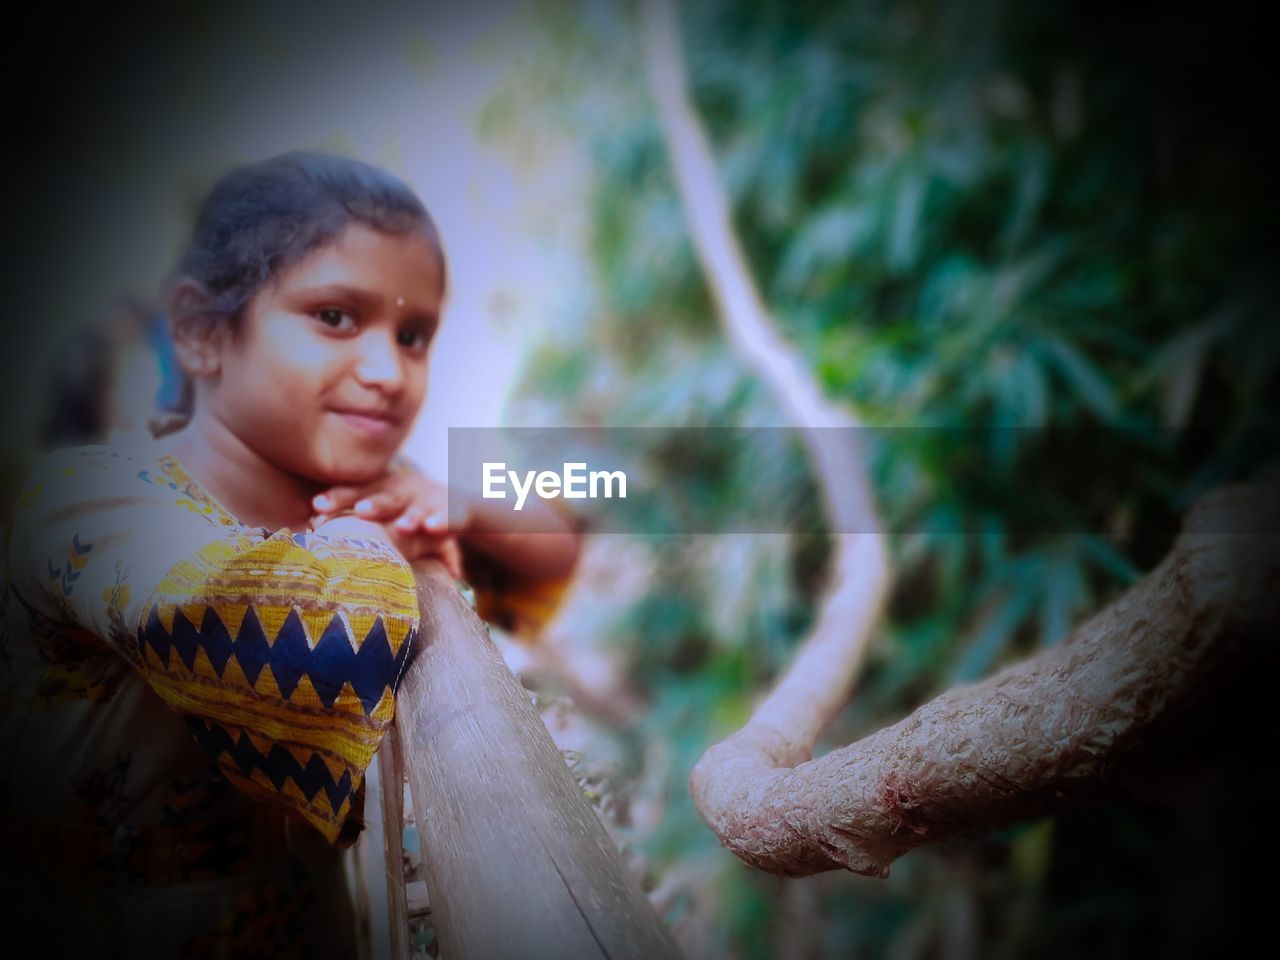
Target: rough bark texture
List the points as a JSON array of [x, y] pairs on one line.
[[1073, 721]]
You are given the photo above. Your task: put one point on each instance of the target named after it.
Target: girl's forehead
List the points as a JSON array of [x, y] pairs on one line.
[[402, 266]]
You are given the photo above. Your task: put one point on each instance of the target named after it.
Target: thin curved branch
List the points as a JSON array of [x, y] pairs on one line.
[[785, 726]]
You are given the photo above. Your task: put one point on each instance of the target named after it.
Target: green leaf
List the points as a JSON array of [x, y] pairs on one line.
[[1107, 558], [992, 635], [1180, 367], [1089, 384], [1064, 595]]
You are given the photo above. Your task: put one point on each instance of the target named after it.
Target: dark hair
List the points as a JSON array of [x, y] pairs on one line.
[[264, 217]]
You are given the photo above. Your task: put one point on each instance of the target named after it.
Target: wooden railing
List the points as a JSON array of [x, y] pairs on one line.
[[516, 862]]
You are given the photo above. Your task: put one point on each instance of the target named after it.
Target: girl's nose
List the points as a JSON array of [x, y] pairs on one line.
[[378, 364]]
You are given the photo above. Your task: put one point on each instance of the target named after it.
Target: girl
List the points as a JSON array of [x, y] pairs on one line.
[[205, 635]]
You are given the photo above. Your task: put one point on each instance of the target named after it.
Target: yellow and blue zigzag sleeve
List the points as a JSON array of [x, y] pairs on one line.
[[285, 655]]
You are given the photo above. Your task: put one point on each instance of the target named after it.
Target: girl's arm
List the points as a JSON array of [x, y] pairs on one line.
[[537, 543]]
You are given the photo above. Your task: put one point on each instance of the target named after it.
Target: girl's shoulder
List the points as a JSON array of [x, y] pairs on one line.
[[126, 466], [114, 472]]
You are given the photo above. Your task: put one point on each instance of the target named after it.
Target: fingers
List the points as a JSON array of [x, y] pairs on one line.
[[416, 546], [437, 521], [380, 506], [336, 498], [417, 518], [372, 504], [407, 507], [409, 522], [451, 556]]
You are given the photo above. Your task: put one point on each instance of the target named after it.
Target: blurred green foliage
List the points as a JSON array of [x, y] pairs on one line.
[[1050, 218]]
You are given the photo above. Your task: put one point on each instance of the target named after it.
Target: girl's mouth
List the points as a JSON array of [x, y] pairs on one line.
[[372, 423]]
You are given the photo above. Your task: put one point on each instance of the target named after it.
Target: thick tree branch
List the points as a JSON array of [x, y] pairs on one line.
[[1072, 721]]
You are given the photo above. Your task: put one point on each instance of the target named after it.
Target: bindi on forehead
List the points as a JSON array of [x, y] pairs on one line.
[[369, 271]]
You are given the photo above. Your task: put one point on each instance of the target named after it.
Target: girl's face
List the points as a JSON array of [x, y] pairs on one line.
[[328, 369]]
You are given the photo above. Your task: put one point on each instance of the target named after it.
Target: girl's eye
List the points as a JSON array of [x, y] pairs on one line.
[[412, 338], [338, 319]]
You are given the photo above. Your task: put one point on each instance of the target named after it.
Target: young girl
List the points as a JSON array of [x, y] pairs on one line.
[[205, 632]]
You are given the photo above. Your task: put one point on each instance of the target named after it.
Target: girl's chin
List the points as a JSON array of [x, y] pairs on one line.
[[350, 463], [354, 471], [346, 478]]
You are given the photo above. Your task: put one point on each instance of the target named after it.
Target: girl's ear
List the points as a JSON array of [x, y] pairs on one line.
[[197, 337]]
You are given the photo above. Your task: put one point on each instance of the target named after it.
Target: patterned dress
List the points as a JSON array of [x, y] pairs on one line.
[[187, 709]]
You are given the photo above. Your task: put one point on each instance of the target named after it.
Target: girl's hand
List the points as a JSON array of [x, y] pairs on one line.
[[412, 507], [428, 518], [413, 502]]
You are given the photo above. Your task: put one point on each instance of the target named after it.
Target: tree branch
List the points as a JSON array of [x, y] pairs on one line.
[[1076, 720], [784, 728], [1067, 722]]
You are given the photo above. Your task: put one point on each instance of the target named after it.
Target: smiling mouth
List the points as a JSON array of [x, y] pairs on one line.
[[369, 422]]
